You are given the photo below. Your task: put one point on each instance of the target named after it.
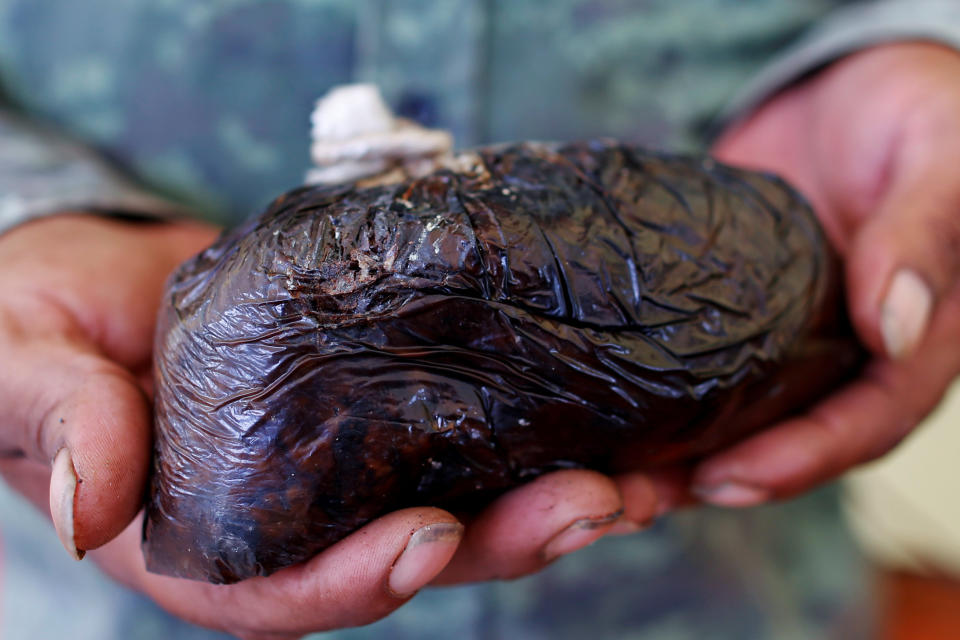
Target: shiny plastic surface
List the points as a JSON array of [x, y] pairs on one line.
[[358, 350]]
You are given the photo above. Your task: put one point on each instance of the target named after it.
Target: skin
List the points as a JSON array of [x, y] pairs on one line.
[[871, 140], [874, 142]]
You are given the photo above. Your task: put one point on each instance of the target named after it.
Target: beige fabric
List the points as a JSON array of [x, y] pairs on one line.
[[905, 508]]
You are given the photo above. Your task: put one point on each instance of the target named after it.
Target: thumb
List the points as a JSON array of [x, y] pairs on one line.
[[906, 257], [87, 417]]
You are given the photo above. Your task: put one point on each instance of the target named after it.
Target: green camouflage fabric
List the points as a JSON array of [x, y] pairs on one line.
[[208, 103]]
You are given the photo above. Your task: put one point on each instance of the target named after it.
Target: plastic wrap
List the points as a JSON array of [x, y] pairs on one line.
[[361, 349]]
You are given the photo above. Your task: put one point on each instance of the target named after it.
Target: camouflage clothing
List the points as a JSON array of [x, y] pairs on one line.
[[207, 102]]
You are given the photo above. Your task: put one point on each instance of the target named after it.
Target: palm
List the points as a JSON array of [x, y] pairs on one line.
[[68, 285]]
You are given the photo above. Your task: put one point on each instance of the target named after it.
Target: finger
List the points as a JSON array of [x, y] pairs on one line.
[[649, 494], [528, 527], [29, 478], [359, 580], [776, 138], [907, 256], [88, 420], [640, 502], [855, 425]]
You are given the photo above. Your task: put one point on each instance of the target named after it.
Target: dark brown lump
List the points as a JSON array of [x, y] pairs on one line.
[[357, 350]]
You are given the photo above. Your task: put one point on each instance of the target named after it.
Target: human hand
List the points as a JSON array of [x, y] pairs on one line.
[[78, 300], [353, 582], [874, 142]]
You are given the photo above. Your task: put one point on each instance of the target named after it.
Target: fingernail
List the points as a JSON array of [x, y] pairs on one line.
[[63, 493], [578, 535], [905, 313], [426, 554], [732, 494]]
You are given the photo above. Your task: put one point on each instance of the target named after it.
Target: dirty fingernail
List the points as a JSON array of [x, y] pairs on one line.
[[733, 494], [63, 492], [426, 554], [578, 535], [905, 313]]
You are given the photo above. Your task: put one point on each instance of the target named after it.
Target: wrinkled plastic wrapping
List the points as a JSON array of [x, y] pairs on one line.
[[358, 350]]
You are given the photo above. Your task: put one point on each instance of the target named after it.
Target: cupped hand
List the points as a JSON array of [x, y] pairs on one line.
[[874, 142], [78, 301]]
